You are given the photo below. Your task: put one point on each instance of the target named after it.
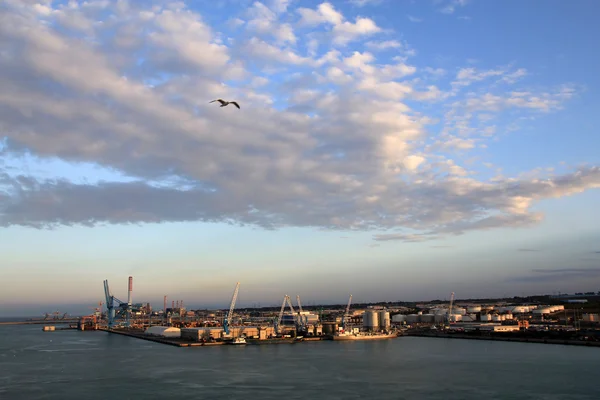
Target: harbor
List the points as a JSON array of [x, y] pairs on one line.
[[546, 320]]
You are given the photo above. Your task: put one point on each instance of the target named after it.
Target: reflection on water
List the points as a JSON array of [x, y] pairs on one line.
[[97, 365]]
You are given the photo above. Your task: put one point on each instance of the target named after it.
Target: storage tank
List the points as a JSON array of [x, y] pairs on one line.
[[427, 318], [439, 318], [384, 319], [399, 318], [459, 311], [371, 319], [164, 331], [413, 318], [455, 318], [473, 309], [496, 318], [485, 317]]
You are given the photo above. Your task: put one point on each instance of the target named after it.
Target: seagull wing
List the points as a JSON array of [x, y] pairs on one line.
[[235, 104], [219, 100]]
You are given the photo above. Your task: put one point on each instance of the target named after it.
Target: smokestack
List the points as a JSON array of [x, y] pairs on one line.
[[129, 291], [172, 303]]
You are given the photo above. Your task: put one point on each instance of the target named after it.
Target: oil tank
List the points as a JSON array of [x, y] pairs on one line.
[[473, 309], [384, 319], [439, 318], [427, 318], [413, 318], [399, 318], [371, 319]]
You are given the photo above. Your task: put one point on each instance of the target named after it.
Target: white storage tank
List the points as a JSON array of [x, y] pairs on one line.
[[371, 319], [164, 331], [486, 317], [508, 316], [455, 317], [473, 309], [384, 319], [520, 309], [496, 318], [459, 311]]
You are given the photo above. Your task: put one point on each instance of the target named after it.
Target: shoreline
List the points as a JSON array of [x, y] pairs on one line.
[[566, 342]]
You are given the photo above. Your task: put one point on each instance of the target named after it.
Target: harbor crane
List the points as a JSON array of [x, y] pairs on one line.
[[114, 307], [229, 317], [346, 315], [450, 307], [277, 322]]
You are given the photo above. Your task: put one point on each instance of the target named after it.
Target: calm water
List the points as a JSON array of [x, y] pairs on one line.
[[97, 365]]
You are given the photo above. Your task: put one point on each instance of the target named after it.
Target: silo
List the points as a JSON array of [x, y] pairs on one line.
[[371, 320], [384, 319]]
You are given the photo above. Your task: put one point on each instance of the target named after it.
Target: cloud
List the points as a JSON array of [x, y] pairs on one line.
[[403, 237], [343, 32], [414, 19], [527, 250], [449, 6], [338, 138], [557, 275], [362, 3]]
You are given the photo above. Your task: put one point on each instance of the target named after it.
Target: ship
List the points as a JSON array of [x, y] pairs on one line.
[[364, 336]]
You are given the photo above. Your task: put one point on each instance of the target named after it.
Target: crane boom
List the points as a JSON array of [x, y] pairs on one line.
[[450, 308], [348, 306], [299, 304], [280, 317], [228, 317]]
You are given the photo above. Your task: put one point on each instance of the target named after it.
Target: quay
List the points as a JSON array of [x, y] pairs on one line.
[[521, 339]]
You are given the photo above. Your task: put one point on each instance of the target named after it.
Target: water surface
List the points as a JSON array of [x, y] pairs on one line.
[[98, 365]]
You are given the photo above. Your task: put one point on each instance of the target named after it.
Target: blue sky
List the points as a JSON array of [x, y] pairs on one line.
[[393, 150]]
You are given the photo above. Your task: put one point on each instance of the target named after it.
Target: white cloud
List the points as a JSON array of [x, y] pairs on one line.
[[449, 6], [362, 3], [330, 139], [414, 19], [266, 22], [343, 31], [384, 45]]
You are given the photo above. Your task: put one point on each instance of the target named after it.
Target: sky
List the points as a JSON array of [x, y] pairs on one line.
[[394, 150]]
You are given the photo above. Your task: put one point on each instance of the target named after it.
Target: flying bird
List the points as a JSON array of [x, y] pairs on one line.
[[225, 103]]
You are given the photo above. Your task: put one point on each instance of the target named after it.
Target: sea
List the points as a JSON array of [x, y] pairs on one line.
[[98, 365]]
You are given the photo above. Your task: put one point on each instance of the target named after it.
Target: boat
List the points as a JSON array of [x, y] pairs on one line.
[[238, 340], [364, 336]]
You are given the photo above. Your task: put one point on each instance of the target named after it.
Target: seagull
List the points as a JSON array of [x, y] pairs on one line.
[[224, 103]]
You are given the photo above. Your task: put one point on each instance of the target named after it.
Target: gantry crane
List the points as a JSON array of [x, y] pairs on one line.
[[229, 317]]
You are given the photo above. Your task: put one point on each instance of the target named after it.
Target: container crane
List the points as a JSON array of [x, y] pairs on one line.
[[229, 317]]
